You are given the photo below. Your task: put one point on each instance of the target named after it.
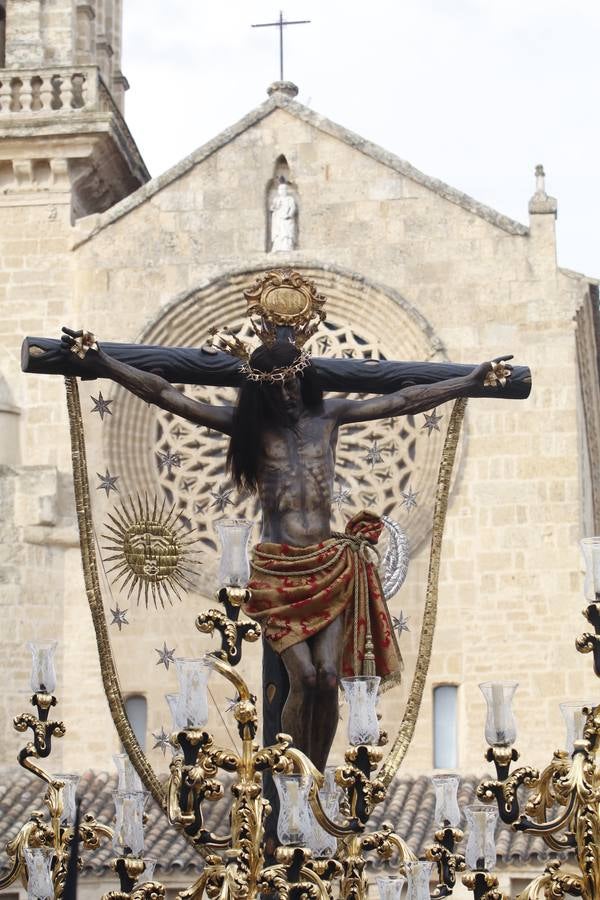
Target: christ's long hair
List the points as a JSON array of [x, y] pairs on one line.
[[259, 405]]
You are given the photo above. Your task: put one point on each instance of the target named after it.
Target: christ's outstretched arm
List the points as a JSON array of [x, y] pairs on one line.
[[414, 399], [149, 387]]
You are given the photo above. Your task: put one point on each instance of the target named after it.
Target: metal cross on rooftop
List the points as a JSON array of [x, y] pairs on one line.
[[281, 23]]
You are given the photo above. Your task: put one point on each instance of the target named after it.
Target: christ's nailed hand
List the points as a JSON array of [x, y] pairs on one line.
[[498, 370], [84, 353]]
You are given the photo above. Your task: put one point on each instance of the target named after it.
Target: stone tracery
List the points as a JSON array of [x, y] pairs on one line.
[[406, 457]]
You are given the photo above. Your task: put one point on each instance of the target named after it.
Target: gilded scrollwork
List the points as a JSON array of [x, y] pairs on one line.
[[232, 633], [552, 884], [483, 885], [545, 797], [363, 792], [43, 732], [505, 792], [274, 757], [38, 832], [150, 890], [386, 843], [448, 862], [35, 833]]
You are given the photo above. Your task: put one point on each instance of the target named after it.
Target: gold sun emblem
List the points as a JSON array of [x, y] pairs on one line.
[[151, 549]]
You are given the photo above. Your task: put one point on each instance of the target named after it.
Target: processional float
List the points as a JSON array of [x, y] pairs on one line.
[[323, 817]]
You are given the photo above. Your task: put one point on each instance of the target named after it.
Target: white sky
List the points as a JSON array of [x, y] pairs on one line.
[[474, 92]]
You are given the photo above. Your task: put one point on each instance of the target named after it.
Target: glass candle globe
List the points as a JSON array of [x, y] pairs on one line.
[[329, 783], [321, 842], [43, 673], [192, 706], [481, 846], [447, 811], [293, 825], [234, 565], [418, 874], [177, 722], [590, 547], [574, 716], [149, 867], [390, 886], [500, 725], [39, 873], [360, 692], [129, 780], [128, 837], [68, 797]]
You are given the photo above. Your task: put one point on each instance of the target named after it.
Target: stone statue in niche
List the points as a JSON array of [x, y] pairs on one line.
[[284, 219]]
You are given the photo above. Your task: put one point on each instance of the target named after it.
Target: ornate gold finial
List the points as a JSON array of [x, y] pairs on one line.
[[283, 297], [280, 298], [229, 342]]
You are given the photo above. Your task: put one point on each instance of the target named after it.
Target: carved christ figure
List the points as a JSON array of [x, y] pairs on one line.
[[308, 586], [284, 212]]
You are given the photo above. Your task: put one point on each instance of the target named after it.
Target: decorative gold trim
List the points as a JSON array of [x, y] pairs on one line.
[[284, 297], [110, 679], [409, 720]]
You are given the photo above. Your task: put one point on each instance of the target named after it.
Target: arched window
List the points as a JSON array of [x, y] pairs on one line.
[[445, 726], [136, 708]]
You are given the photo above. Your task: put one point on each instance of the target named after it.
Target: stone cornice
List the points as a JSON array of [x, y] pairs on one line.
[[279, 100], [571, 273]]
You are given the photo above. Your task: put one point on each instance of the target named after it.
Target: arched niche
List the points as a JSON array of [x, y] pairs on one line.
[[281, 175]]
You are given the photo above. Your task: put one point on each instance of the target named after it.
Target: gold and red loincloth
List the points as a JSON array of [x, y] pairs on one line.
[[298, 591]]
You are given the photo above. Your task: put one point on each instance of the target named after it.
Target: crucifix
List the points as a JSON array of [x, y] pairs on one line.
[[282, 445], [281, 24]]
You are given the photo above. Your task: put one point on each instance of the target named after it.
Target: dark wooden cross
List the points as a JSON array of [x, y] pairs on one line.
[[281, 23], [206, 365]]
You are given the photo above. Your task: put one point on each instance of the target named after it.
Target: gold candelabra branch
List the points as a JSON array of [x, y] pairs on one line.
[[590, 643], [43, 732], [130, 870], [295, 877], [37, 833], [504, 789], [237, 869], [447, 860], [553, 883], [226, 623], [563, 804], [483, 885]]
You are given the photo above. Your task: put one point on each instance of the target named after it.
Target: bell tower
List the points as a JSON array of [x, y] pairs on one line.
[[61, 104], [65, 153]]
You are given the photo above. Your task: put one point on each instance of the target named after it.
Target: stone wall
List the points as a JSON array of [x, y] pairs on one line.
[[510, 586]]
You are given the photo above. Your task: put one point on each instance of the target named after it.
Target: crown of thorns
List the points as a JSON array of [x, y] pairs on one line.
[[277, 376]]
